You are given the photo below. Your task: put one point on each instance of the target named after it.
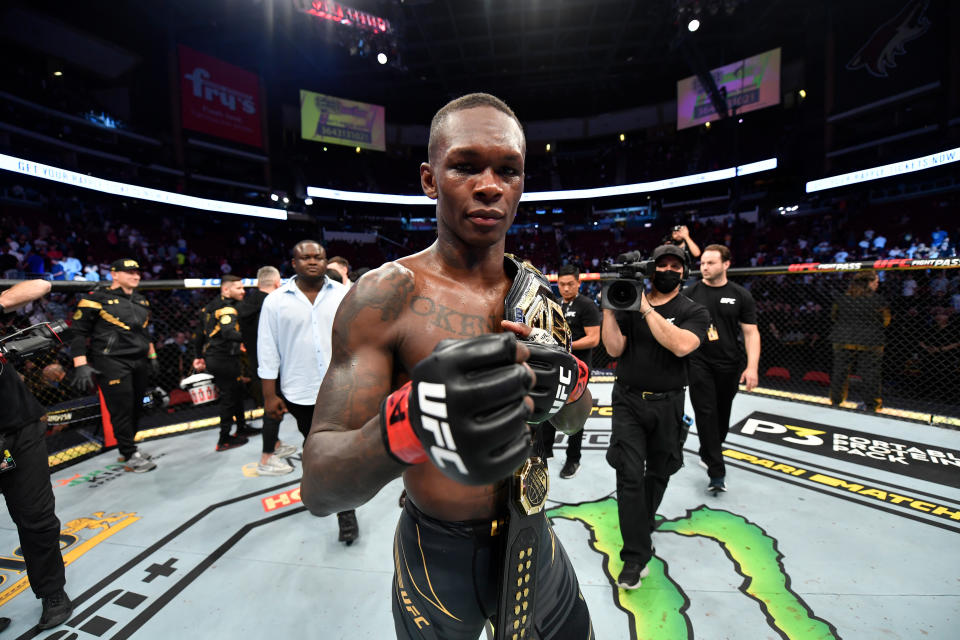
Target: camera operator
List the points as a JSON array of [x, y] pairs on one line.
[[25, 477], [646, 446], [115, 320], [680, 236]]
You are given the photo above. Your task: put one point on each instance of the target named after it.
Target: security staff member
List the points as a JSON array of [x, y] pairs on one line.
[[646, 445], [583, 318], [25, 477], [716, 368], [218, 347], [115, 322]]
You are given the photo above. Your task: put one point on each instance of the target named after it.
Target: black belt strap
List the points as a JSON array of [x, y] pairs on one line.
[[518, 573]]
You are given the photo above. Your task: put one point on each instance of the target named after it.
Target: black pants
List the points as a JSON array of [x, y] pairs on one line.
[[447, 576], [122, 382], [303, 414], [869, 362], [711, 393], [646, 448], [548, 433], [30, 501], [226, 374]]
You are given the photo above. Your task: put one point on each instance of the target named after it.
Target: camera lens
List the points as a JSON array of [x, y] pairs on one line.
[[622, 294]]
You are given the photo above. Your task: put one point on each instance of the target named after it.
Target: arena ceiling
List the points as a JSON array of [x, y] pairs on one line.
[[548, 58]]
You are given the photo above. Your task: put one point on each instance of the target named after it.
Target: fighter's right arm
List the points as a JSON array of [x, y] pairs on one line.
[[344, 459], [22, 293]]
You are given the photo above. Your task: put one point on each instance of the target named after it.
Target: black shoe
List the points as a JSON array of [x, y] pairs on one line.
[[349, 529], [56, 609], [631, 575], [248, 431], [4, 623], [570, 469], [716, 485], [231, 442]]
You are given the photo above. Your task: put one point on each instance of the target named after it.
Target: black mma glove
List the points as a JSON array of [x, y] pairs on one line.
[[84, 378], [561, 379], [464, 410]]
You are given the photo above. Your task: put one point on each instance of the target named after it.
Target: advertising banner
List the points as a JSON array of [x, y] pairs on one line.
[[219, 99], [750, 84], [337, 121]]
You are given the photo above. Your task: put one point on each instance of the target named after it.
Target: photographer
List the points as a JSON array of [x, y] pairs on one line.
[[25, 476], [115, 320], [680, 236], [646, 446]]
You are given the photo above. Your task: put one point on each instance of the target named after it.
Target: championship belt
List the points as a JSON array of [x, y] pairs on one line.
[[530, 301], [518, 574]]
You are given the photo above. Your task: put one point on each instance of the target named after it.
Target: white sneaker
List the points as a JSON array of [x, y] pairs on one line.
[[275, 466], [284, 450], [138, 463]]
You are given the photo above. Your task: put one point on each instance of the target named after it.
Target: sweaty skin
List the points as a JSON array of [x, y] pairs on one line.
[[395, 316]]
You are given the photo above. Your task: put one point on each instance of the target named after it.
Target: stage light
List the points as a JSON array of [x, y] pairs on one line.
[[548, 147], [58, 73], [693, 25], [358, 149], [324, 148], [308, 201], [622, 137], [707, 124], [802, 93], [740, 121], [382, 58], [274, 197], [286, 200]]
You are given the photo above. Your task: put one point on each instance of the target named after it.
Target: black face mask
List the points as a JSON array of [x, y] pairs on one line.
[[666, 281]]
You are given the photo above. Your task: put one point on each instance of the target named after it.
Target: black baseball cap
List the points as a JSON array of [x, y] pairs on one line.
[[125, 264], [669, 250]]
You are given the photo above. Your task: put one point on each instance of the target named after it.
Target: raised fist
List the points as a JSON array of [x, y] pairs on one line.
[[464, 409]]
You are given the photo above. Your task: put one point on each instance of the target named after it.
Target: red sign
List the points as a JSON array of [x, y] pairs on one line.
[[218, 98], [336, 12], [280, 500]]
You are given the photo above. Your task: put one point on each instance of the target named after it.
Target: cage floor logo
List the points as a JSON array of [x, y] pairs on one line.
[[77, 537], [658, 610]]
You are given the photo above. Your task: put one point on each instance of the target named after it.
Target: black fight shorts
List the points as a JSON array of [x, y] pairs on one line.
[[446, 578]]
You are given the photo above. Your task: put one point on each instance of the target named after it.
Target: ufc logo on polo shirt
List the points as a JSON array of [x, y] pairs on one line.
[[728, 301], [431, 397], [561, 399]]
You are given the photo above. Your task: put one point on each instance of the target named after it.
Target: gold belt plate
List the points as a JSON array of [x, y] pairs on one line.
[[532, 484]]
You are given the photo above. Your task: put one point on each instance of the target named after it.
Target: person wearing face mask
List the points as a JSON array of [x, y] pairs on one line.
[[648, 430]]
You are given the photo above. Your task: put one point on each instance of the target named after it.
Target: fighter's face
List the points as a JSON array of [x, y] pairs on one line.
[[568, 286], [712, 265], [476, 175], [309, 260]]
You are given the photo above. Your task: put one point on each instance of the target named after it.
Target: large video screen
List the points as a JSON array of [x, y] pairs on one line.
[[751, 84], [337, 121]]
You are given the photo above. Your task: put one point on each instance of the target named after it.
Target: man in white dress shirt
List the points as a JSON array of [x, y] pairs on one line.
[[293, 343]]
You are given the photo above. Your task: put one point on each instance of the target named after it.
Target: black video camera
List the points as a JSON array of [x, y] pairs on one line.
[[621, 286], [28, 342]]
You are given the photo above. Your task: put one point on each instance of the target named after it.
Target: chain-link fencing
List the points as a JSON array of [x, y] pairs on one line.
[[830, 337], [827, 338], [74, 418]]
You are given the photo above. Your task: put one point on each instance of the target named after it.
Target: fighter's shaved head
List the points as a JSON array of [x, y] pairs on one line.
[[469, 101]]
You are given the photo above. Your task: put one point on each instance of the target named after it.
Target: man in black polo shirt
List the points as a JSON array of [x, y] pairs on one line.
[[583, 318], [646, 446], [716, 368]]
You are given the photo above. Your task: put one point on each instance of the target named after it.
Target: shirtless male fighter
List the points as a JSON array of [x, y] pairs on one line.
[[429, 381]]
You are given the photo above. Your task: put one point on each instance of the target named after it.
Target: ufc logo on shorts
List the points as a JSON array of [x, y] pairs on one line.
[[728, 301], [561, 399], [431, 396]]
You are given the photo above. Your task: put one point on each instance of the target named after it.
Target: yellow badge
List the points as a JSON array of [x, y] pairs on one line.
[[712, 334]]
